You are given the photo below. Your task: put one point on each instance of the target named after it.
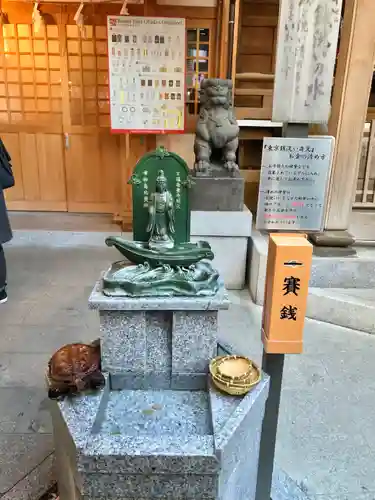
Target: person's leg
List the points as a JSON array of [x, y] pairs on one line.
[[3, 270]]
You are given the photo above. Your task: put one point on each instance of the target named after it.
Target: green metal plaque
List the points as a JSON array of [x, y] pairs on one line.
[[178, 181]]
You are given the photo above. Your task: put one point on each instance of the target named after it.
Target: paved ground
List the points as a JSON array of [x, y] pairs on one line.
[[326, 438]]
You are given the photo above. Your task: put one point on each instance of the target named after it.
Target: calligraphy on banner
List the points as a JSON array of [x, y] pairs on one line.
[[293, 183], [306, 54]]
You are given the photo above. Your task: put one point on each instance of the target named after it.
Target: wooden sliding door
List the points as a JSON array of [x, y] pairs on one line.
[[92, 153], [55, 109], [31, 116]]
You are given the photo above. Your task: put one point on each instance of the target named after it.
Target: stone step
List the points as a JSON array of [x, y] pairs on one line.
[[348, 307]]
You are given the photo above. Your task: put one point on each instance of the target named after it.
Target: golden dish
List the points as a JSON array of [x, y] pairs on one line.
[[235, 375]]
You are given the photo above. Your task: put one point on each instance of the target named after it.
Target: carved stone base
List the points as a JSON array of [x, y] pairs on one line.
[[222, 191], [332, 239], [333, 244]]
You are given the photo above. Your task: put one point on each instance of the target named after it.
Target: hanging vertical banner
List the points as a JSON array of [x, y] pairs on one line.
[[147, 74], [306, 54]]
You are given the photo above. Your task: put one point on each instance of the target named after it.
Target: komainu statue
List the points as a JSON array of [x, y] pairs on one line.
[[217, 130]]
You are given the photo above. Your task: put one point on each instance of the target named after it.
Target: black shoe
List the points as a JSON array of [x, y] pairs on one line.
[[3, 296]]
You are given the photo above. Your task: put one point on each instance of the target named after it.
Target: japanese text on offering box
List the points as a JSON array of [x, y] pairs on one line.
[[293, 183]]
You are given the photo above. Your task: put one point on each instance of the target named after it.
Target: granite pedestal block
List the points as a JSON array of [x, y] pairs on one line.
[[218, 192], [228, 234], [158, 430], [158, 343], [166, 445]]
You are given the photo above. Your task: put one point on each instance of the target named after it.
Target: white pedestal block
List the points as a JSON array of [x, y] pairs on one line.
[[228, 234]]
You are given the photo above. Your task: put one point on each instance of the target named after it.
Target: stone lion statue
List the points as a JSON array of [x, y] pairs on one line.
[[217, 130]]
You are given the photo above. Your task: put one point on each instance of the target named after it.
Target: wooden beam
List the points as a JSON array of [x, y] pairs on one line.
[[245, 113], [262, 21], [255, 77], [248, 92], [236, 29], [224, 34], [150, 8], [349, 107]]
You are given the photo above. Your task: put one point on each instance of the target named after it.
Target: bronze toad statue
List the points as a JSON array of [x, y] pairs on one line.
[[217, 129]]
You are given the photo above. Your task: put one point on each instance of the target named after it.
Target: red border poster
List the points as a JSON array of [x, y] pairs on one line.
[[146, 57]]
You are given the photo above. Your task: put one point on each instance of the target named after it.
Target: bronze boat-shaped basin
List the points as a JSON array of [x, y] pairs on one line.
[[183, 254]]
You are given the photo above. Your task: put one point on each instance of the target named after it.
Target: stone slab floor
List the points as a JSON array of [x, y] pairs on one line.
[[326, 437]]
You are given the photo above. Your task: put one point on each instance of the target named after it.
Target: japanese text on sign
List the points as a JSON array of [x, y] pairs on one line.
[[293, 183]]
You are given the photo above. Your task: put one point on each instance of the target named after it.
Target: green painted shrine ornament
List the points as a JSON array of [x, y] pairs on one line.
[[166, 263], [177, 180], [143, 280], [184, 270]]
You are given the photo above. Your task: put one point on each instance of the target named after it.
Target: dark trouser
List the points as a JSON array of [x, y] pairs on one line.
[[3, 269]]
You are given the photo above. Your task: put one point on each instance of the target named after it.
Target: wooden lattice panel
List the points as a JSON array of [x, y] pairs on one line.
[[256, 59], [88, 75], [30, 79], [197, 64], [365, 191]]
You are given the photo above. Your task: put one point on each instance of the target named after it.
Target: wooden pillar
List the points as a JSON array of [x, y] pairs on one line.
[[349, 107], [223, 37]]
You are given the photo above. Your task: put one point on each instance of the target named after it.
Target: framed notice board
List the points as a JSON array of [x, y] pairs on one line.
[[147, 74], [294, 181]]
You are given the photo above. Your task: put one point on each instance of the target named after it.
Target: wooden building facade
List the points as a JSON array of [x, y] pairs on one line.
[[54, 104], [54, 97]]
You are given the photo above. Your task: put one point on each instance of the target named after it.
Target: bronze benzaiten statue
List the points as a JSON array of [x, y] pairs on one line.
[[165, 263], [161, 212], [217, 131]]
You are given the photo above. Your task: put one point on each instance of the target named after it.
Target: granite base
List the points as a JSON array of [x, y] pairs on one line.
[[170, 445], [332, 239], [166, 433], [158, 343], [218, 192], [228, 234]]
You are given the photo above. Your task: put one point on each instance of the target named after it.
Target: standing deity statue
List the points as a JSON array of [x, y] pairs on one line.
[[161, 215]]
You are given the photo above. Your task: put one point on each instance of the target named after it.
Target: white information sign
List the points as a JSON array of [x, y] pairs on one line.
[[147, 74], [306, 55], [293, 183]]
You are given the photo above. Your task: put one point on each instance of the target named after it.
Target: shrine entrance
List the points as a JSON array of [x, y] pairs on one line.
[[54, 106]]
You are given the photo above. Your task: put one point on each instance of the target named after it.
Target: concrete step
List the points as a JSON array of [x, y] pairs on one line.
[[348, 307]]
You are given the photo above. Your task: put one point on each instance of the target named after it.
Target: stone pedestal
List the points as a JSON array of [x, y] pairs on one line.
[[218, 191], [168, 434], [333, 244], [228, 234], [157, 343]]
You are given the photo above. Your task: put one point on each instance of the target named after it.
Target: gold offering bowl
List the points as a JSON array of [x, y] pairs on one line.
[[235, 375]]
